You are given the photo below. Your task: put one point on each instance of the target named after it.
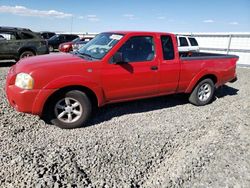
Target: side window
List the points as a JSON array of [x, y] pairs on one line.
[[183, 41], [8, 36], [50, 35], [167, 47], [68, 37], [26, 36], [138, 49], [62, 37], [193, 41]]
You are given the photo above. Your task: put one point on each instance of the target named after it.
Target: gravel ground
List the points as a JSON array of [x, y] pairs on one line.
[[160, 142]]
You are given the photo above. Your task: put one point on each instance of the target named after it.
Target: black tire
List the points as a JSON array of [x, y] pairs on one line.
[[26, 54], [85, 107], [51, 48], [201, 96]]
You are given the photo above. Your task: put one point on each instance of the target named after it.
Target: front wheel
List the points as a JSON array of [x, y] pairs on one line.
[[70, 110], [203, 93]]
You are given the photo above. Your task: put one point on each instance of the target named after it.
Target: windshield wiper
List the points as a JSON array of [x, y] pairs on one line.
[[82, 54]]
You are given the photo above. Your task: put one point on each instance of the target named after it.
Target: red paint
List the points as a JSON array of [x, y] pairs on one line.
[[65, 47], [112, 82]]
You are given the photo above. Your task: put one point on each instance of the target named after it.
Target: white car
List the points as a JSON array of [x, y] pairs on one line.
[[187, 44]]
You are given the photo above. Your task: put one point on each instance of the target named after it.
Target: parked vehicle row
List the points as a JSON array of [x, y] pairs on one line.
[[47, 34], [56, 40], [114, 67], [77, 43], [17, 43]]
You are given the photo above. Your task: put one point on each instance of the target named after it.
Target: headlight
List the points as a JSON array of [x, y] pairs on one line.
[[24, 81]]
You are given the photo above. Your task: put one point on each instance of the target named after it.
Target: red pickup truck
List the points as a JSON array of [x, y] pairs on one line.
[[114, 67]]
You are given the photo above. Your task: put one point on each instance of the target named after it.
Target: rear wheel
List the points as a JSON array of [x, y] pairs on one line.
[[70, 110], [203, 93], [26, 54]]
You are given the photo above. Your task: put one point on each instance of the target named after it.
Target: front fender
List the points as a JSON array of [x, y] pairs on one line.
[[77, 80]]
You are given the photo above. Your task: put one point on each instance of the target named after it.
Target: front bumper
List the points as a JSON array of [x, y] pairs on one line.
[[234, 80], [28, 101], [21, 100]]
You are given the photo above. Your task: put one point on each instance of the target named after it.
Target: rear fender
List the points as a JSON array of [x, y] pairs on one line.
[[198, 77], [27, 48]]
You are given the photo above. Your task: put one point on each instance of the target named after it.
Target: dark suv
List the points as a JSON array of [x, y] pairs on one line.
[[47, 34], [17, 43], [56, 40]]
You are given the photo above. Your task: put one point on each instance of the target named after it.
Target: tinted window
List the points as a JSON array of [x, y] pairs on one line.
[[62, 37], [47, 35], [71, 37], [167, 47], [183, 41], [76, 40], [44, 35], [138, 49], [55, 37], [51, 35], [26, 36], [193, 42]]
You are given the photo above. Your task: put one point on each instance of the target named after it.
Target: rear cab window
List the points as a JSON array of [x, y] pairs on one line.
[[167, 47]]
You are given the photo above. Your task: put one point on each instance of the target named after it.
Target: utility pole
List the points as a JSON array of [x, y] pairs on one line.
[[71, 24]]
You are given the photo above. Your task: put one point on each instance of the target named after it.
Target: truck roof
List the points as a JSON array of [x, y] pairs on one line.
[[140, 32], [14, 28]]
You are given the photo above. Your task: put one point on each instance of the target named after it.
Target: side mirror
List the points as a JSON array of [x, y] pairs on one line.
[[117, 58]]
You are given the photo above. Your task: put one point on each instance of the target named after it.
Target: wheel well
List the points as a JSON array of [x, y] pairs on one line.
[[26, 49], [210, 76], [87, 91]]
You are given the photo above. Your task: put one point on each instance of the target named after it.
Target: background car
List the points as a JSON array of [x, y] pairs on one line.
[[56, 40], [17, 43], [187, 44], [68, 46], [78, 45], [47, 34]]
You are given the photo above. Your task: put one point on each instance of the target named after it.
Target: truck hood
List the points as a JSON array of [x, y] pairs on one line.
[[47, 61]]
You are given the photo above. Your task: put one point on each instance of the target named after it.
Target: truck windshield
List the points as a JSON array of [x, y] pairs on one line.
[[98, 47]]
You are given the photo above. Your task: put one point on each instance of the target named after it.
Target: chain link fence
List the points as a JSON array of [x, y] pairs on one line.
[[225, 43]]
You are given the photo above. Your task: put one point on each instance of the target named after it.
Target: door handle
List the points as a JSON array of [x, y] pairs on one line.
[[154, 68]]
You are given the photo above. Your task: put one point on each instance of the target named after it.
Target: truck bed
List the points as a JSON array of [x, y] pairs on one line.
[[204, 55]]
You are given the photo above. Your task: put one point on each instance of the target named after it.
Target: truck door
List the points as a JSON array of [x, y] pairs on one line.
[[136, 75], [169, 69]]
